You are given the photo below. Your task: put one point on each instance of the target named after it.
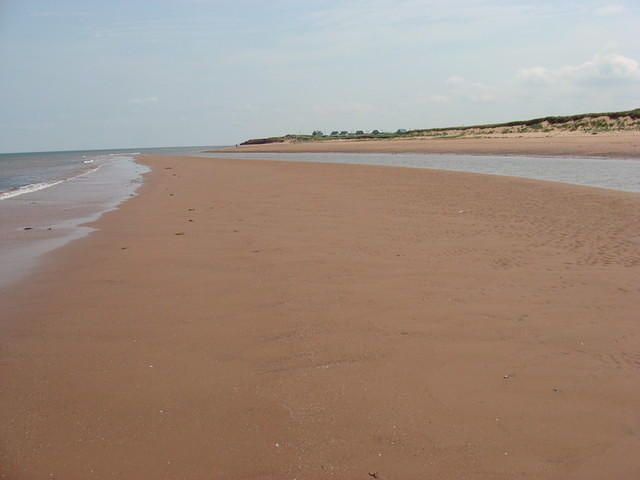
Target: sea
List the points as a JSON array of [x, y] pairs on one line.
[[48, 198]]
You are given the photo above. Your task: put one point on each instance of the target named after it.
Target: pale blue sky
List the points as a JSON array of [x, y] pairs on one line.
[[79, 74]]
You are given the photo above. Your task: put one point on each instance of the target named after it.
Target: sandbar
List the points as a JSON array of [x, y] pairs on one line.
[[244, 319], [617, 144]]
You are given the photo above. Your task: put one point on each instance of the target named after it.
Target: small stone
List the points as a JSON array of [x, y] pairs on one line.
[[28, 228], [507, 377], [179, 233]]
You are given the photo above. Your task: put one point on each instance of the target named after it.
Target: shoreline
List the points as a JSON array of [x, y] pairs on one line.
[[602, 145], [620, 174], [322, 319], [37, 222]]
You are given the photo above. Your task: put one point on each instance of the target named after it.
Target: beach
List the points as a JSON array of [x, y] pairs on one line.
[[623, 144], [249, 319]]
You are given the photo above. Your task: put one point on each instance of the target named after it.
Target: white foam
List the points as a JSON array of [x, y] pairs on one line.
[[34, 187]]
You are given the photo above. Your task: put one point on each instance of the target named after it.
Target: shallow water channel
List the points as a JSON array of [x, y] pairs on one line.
[[612, 173]]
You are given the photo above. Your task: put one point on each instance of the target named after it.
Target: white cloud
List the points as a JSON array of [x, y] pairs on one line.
[[608, 68], [608, 10], [438, 99], [534, 76], [474, 91], [143, 100], [455, 80]]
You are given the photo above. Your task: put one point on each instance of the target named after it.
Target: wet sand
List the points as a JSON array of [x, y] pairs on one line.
[[272, 320], [617, 144]]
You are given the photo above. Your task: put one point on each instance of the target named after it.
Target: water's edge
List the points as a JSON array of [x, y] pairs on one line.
[[37, 222], [621, 174]]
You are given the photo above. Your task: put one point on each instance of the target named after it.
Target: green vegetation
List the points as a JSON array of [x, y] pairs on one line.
[[587, 122]]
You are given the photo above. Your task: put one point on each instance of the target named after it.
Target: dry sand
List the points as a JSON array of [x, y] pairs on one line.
[[616, 144], [276, 320]]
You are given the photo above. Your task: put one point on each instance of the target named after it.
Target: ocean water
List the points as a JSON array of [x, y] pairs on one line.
[[47, 198], [22, 173], [611, 173]]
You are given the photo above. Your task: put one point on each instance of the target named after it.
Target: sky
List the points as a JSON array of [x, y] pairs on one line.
[[83, 74]]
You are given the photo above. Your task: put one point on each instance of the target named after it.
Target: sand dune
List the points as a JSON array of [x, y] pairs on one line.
[[617, 144]]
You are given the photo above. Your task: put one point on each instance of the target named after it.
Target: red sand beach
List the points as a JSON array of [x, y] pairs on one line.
[[616, 144], [278, 320]]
